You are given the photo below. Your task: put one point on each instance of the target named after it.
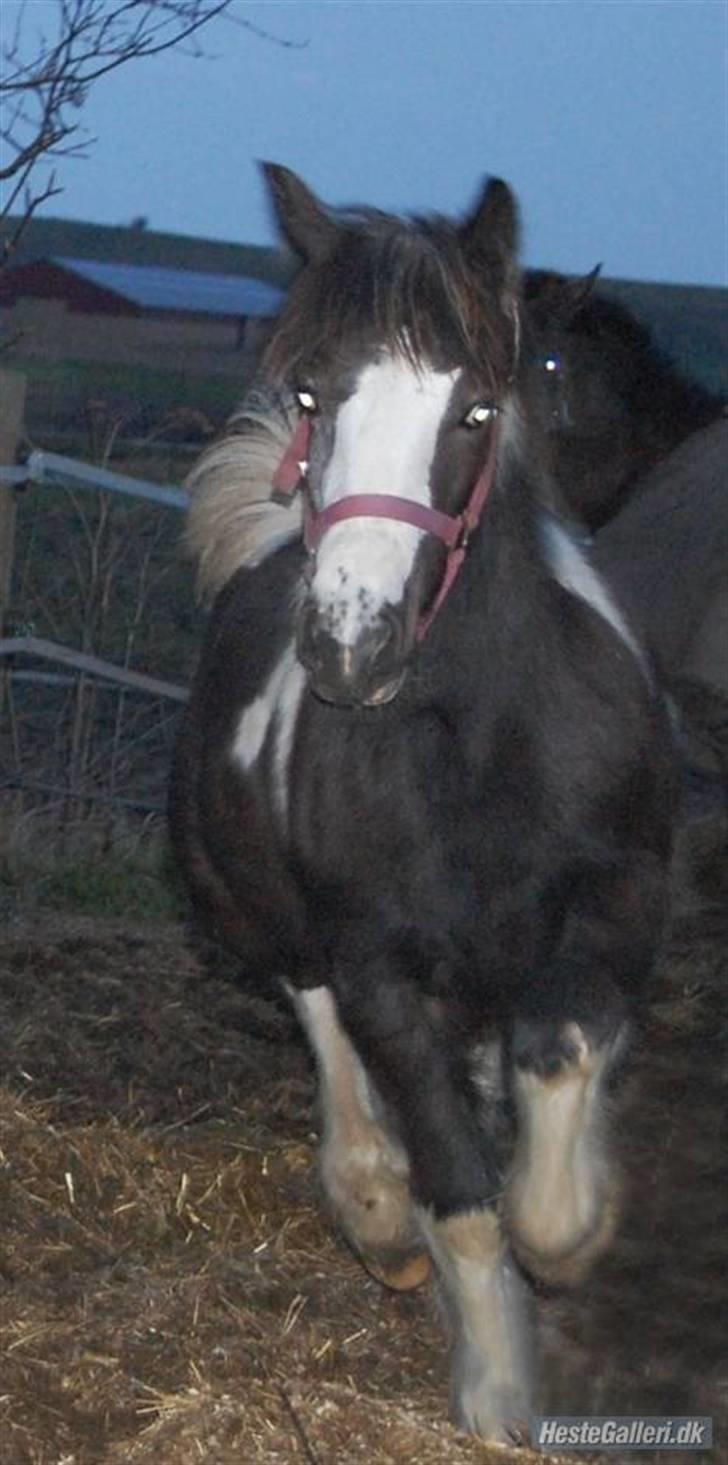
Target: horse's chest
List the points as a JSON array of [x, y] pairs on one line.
[[388, 812], [382, 812]]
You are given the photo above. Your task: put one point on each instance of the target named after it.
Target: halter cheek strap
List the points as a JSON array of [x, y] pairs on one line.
[[453, 530], [291, 470]]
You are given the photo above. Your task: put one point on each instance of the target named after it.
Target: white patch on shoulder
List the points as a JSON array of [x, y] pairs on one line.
[[274, 709], [384, 442], [285, 722], [573, 570]]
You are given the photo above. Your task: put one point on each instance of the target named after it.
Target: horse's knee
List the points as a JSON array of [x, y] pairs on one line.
[[562, 1198], [367, 1185]]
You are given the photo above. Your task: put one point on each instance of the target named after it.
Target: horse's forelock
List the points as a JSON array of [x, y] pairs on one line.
[[403, 286]]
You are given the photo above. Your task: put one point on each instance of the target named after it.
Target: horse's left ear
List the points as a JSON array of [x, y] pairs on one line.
[[490, 235], [303, 219], [582, 289]]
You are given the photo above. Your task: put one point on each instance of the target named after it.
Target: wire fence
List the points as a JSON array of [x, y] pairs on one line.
[[101, 637]]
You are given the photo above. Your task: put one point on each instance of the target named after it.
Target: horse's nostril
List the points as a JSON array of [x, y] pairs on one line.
[[385, 636], [380, 642], [309, 650]]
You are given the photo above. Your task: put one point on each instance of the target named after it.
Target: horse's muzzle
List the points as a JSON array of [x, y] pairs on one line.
[[368, 673]]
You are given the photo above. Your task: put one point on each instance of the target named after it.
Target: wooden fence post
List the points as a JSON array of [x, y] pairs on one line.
[[12, 402]]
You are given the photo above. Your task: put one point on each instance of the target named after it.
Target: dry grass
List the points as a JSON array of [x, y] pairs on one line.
[[171, 1289]]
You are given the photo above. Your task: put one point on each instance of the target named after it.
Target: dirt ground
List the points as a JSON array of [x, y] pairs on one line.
[[171, 1290]]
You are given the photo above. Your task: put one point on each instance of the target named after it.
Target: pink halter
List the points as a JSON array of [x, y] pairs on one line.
[[454, 530]]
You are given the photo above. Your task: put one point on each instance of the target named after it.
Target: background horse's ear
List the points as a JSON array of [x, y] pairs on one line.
[[490, 234], [580, 290], [306, 223], [555, 300]]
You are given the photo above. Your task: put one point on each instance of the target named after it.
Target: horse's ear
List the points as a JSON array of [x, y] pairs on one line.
[[306, 223], [555, 300], [581, 289], [490, 234]]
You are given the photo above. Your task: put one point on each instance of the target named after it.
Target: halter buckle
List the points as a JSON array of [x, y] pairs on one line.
[[464, 533]]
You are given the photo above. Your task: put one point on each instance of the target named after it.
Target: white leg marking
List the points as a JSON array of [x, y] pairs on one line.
[[487, 1303], [386, 434], [572, 568], [562, 1198], [275, 707], [364, 1169]]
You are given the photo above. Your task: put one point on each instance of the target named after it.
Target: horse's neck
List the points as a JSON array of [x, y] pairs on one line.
[[478, 645]]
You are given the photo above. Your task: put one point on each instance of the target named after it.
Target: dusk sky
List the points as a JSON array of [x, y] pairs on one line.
[[609, 119]]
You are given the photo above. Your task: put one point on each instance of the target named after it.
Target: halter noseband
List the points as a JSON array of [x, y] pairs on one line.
[[454, 530]]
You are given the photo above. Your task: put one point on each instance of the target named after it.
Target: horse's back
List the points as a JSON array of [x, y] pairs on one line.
[[666, 553]]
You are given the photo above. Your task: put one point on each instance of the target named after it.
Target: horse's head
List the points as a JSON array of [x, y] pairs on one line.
[[398, 344], [585, 370], [563, 359]]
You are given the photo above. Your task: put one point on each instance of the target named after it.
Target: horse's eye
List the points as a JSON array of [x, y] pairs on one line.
[[306, 399], [553, 363], [479, 413]]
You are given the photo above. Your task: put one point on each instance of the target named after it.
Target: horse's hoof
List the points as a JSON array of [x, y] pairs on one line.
[[405, 1277], [499, 1417]]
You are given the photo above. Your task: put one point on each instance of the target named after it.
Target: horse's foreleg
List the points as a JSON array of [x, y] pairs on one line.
[[562, 1198], [364, 1170], [425, 1083], [487, 1302]]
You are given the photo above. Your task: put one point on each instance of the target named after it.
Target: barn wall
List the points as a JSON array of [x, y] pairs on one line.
[[130, 363], [47, 329]]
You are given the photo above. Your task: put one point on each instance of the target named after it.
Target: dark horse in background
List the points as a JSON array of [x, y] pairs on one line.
[[424, 776], [666, 556], [615, 405], [640, 456]]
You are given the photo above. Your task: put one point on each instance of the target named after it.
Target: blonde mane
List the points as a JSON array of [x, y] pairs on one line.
[[233, 521]]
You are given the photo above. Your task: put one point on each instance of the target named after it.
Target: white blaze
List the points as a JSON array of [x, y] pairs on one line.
[[384, 442]]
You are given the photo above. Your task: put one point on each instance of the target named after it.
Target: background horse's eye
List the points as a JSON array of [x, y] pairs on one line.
[[553, 362], [306, 400], [479, 413]]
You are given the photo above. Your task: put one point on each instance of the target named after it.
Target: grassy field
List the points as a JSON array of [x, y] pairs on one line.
[[64, 395]]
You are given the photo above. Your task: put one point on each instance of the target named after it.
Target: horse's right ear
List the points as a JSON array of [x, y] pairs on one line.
[[490, 234], [306, 223]]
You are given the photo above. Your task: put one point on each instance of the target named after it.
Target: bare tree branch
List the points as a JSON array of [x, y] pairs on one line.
[[45, 80]]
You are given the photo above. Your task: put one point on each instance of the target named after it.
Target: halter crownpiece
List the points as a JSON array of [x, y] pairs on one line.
[[453, 530]]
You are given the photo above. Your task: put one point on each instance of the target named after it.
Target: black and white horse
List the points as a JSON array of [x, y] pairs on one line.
[[424, 776]]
